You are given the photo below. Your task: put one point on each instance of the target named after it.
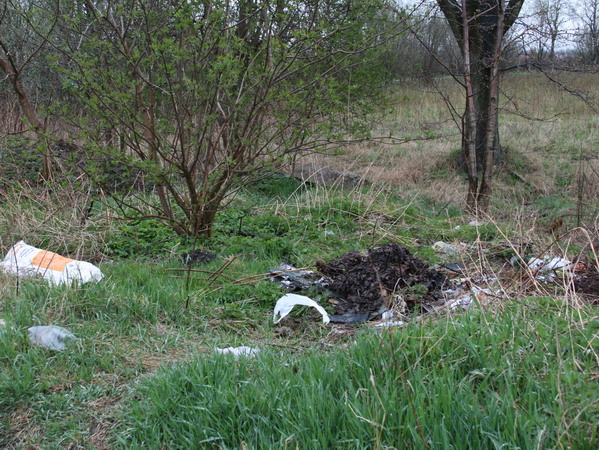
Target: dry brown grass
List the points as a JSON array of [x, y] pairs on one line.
[[53, 217], [546, 128]]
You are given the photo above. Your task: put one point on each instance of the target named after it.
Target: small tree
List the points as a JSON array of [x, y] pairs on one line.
[[199, 94], [479, 27], [550, 19]]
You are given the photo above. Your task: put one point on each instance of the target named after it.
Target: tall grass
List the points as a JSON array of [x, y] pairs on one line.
[[518, 378]]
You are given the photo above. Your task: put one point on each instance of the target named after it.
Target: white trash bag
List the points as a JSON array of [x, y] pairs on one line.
[[50, 337], [25, 260]]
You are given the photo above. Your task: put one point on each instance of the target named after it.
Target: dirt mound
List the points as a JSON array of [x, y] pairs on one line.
[[363, 282], [587, 283]]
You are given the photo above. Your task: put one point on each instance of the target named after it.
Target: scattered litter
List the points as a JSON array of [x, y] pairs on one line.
[[548, 265], [476, 223], [238, 352], [387, 315], [196, 257], [293, 279], [557, 263], [545, 269], [389, 323], [364, 283], [328, 233], [25, 260], [445, 248], [463, 302], [286, 303], [50, 337]]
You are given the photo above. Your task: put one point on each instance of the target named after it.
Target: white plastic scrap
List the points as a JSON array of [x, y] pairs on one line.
[[50, 337], [25, 260], [286, 303], [238, 352], [389, 323], [548, 265]]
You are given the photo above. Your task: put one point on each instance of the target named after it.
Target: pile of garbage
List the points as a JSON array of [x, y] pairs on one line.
[[384, 283], [365, 283]]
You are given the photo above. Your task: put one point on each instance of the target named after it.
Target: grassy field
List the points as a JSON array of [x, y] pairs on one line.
[[515, 372]]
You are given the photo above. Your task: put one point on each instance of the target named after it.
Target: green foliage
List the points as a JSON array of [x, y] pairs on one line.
[[276, 185], [141, 237], [196, 96]]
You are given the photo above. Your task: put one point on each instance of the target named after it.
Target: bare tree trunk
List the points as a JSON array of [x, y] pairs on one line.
[[479, 26], [469, 126]]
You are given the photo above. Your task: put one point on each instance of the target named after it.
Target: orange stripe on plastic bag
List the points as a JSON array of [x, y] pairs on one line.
[[50, 260]]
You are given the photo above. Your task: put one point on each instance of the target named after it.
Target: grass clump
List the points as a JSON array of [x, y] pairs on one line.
[[516, 378]]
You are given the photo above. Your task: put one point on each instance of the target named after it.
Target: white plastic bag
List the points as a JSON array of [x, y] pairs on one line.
[[25, 260], [50, 337], [286, 303]]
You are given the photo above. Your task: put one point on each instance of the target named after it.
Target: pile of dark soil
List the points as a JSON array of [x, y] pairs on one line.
[[587, 283], [360, 281]]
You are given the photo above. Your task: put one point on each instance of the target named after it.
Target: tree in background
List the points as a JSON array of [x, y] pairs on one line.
[[480, 27], [549, 20], [587, 12]]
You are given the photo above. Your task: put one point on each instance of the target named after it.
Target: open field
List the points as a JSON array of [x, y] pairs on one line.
[[518, 370]]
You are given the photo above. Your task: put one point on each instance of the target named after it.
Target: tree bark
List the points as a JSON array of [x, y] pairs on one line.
[[479, 27]]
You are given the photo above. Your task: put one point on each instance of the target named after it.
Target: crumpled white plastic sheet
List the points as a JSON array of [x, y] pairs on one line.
[[548, 265], [50, 337], [26, 260], [286, 303]]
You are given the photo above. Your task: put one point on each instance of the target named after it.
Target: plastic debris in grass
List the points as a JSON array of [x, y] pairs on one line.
[[294, 279], [546, 269], [50, 337], [26, 260], [286, 303], [390, 323], [238, 352]]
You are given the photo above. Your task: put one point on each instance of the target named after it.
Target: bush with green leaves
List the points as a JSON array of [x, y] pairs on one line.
[[199, 97]]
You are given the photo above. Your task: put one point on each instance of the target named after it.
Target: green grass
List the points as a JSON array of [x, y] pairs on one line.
[[517, 378]]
